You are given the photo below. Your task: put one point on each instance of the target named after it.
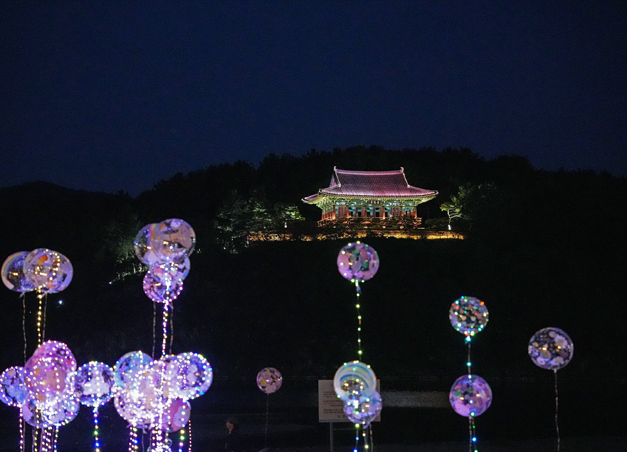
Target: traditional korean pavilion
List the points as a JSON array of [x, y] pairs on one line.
[[369, 194]]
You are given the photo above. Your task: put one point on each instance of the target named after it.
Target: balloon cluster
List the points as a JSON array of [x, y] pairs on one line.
[[355, 383], [155, 394], [269, 380], [165, 248], [44, 389], [42, 269]]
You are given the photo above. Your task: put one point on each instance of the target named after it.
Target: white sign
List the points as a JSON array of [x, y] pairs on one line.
[[330, 408]]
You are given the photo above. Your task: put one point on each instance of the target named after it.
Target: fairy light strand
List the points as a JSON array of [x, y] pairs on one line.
[[154, 328], [358, 307], [181, 439], [96, 433], [22, 438], [40, 305], [189, 435], [164, 342]]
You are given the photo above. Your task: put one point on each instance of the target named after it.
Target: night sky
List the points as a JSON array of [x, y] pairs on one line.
[[118, 95]]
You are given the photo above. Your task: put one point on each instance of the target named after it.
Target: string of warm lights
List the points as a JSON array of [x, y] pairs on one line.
[[56, 439], [189, 435], [22, 439], [164, 342], [358, 307], [40, 307], [133, 440]]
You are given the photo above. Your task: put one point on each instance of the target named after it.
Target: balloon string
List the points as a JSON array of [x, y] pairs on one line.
[[164, 342], [557, 428], [39, 316], [189, 434], [470, 433], [171, 329], [23, 296], [371, 437], [43, 326], [356, 436], [265, 438], [358, 306], [468, 362], [154, 330]]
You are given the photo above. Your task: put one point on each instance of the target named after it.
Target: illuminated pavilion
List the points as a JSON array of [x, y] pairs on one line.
[[369, 195]]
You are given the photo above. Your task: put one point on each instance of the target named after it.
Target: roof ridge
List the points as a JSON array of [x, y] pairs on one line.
[[398, 171]]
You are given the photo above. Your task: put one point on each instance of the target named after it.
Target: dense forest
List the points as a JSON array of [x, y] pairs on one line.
[[542, 248]]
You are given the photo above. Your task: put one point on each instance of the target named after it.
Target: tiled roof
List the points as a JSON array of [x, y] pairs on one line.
[[371, 184]]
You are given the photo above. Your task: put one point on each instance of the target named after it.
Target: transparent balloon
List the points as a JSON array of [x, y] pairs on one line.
[[60, 413], [358, 261], [269, 380], [128, 365], [159, 292], [94, 383], [176, 415], [169, 273], [45, 379], [468, 315], [354, 379], [187, 375], [12, 386], [56, 349], [13, 275], [142, 399], [551, 348], [142, 244], [470, 395], [173, 239], [364, 410], [47, 270]]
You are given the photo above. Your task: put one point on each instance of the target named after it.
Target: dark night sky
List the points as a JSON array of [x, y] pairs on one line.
[[118, 95]]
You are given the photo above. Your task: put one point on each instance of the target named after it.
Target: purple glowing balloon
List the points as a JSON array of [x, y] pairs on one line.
[[269, 380], [94, 384], [358, 261], [173, 239], [13, 387], [159, 292], [468, 315], [187, 375], [176, 415], [551, 348], [364, 409], [142, 244], [128, 365], [470, 395], [56, 349], [13, 275], [47, 270]]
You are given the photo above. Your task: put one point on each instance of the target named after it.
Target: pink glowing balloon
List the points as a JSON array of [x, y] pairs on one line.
[[358, 261], [176, 415], [269, 380], [470, 395]]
